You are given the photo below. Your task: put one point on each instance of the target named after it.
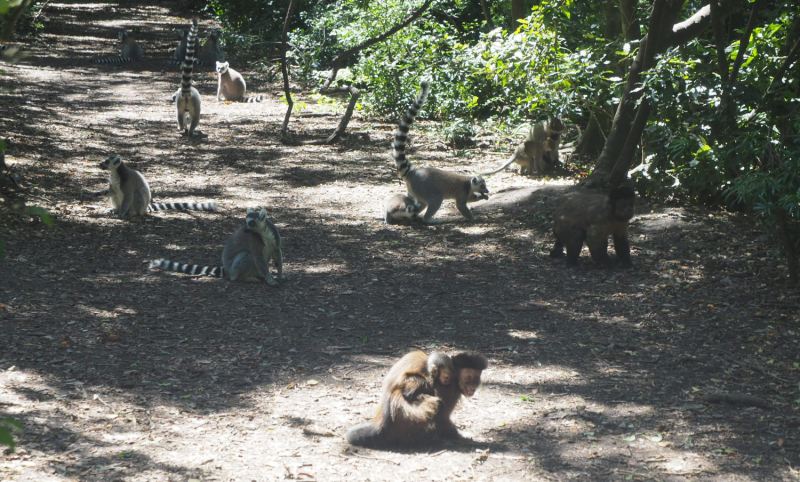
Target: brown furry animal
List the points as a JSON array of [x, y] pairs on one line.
[[399, 422], [592, 218]]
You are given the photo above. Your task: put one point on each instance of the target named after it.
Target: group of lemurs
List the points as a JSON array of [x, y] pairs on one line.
[[420, 391]]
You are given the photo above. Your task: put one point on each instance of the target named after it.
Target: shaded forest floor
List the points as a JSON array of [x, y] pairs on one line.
[[120, 373]]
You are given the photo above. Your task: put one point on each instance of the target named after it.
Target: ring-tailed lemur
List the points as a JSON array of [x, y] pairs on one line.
[[400, 208], [130, 193], [246, 254], [187, 101], [211, 52], [180, 52], [130, 50], [430, 186], [231, 85]]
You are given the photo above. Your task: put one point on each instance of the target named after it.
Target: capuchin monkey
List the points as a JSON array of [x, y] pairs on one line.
[[539, 151], [592, 218], [399, 422]]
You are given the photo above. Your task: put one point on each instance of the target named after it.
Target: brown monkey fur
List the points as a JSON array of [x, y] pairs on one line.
[[400, 423], [439, 369], [539, 151], [592, 218]]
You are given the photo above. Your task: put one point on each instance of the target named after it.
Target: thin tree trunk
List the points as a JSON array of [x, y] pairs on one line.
[[519, 10], [285, 69], [788, 244], [625, 160], [487, 14], [354, 95]]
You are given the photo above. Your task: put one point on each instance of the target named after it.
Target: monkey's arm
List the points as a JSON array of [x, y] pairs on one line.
[[414, 386], [464, 210], [102, 192], [262, 265], [277, 256], [126, 204], [423, 411]]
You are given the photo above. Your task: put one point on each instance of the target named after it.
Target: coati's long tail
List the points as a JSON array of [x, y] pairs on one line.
[[188, 63], [168, 265], [401, 134], [181, 206]]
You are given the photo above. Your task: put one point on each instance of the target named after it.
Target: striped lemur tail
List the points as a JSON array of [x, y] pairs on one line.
[[188, 63], [401, 134], [165, 264], [181, 206]]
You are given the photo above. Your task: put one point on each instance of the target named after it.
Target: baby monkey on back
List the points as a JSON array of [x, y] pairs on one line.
[[592, 218], [539, 152]]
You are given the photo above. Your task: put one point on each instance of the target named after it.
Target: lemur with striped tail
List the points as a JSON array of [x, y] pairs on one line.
[[429, 186], [246, 254], [231, 86], [130, 50], [187, 100], [130, 193]]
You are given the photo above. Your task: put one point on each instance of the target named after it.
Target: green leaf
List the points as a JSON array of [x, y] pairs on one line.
[[654, 438], [42, 213]]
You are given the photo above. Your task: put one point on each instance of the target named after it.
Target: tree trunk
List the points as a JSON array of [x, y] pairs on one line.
[[621, 22], [788, 244], [487, 14], [662, 33], [519, 10], [285, 69]]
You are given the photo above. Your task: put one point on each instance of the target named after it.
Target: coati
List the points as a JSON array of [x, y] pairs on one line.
[[246, 254], [187, 101], [231, 85], [539, 151], [401, 208], [130, 50], [401, 422], [211, 52], [130, 193], [593, 217], [429, 186]]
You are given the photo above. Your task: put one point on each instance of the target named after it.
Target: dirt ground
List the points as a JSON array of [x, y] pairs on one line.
[[123, 374]]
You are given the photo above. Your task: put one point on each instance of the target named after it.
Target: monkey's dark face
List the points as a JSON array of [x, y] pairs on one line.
[[469, 379], [622, 209]]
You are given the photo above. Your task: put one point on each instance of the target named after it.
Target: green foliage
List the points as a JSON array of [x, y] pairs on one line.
[[6, 425]]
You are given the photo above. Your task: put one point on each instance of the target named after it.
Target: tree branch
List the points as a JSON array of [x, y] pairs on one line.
[[337, 62]]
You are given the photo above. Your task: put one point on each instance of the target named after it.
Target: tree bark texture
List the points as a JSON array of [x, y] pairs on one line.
[[662, 33], [519, 10]]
